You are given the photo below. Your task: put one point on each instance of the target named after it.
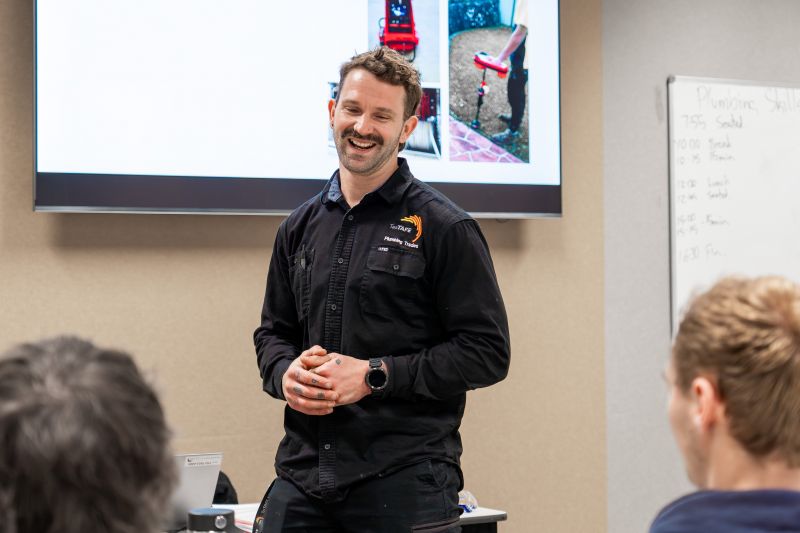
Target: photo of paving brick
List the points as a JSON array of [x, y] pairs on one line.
[[467, 145]]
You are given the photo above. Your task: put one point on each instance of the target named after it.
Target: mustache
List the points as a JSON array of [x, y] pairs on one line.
[[351, 132]]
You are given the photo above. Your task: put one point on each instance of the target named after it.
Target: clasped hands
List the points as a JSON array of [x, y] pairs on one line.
[[318, 381]]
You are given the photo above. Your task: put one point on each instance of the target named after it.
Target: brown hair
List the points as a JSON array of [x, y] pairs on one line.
[[84, 444], [388, 66], [745, 333]]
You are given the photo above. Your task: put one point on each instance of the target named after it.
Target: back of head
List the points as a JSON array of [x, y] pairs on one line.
[[84, 444], [744, 334]]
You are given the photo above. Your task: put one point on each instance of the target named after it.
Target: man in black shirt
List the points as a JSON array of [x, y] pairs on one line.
[[381, 310]]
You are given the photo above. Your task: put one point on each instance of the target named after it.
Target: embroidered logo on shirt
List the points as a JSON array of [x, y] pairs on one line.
[[405, 231], [416, 220]]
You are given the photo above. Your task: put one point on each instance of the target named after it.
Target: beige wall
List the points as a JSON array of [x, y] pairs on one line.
[[183, 293]]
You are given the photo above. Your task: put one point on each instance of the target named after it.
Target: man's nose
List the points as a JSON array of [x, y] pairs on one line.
[[363, 125]]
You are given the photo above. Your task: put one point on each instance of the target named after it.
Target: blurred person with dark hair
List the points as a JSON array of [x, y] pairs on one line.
[[84, 445], [734, 407]]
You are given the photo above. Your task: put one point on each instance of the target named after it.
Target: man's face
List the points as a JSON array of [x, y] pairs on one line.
[[368, 123], [686, 430]]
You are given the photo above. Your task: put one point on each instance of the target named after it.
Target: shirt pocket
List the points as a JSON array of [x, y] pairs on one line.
[[391, 281], [300, 275]]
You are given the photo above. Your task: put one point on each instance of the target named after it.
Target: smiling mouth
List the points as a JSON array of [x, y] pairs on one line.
[[361, 145]]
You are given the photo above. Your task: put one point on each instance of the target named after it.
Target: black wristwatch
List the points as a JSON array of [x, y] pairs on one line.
[[376, 377]]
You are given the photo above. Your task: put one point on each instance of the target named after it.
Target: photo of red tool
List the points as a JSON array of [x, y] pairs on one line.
[[397, 30], [485, 62]]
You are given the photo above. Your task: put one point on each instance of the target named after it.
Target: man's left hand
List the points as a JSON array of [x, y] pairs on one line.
[[347, 375]]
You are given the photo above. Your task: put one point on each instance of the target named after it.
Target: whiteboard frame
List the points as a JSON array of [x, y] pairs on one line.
[[671, 80]]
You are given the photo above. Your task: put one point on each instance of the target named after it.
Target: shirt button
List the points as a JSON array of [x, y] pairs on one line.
[[327, 446], [350, 217], [333, 307], [396, 267], [340, 260]]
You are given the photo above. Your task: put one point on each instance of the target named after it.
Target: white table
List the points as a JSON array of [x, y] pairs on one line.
[[480, 520]]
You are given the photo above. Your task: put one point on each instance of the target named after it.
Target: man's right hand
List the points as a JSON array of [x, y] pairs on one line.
[[305, 391]]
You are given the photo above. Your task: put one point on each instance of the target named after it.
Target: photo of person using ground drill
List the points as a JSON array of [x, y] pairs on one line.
[[488, 120]]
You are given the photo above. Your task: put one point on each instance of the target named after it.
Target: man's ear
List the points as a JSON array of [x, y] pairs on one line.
[[408, 128], [707, 406], [331, 110]]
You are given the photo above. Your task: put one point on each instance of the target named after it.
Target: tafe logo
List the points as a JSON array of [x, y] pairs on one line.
[[416, 220]]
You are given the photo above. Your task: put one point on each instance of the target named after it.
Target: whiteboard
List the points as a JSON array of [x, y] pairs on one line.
[[734, 175]]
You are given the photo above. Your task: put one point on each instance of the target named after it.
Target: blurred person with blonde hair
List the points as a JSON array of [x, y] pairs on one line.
[[734, 408]]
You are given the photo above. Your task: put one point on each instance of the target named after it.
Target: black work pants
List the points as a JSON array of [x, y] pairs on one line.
[[420, 498], [517, 80]]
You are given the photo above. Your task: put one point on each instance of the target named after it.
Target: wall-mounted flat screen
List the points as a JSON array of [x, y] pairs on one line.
[[208, 106]]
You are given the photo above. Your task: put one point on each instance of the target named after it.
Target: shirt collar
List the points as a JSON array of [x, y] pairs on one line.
[[332, 191], [391, 191]]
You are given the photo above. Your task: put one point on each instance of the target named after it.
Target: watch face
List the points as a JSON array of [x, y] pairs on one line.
[[376, 378]]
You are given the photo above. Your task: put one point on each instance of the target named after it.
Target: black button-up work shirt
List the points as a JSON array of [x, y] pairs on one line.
[[405, 275]]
